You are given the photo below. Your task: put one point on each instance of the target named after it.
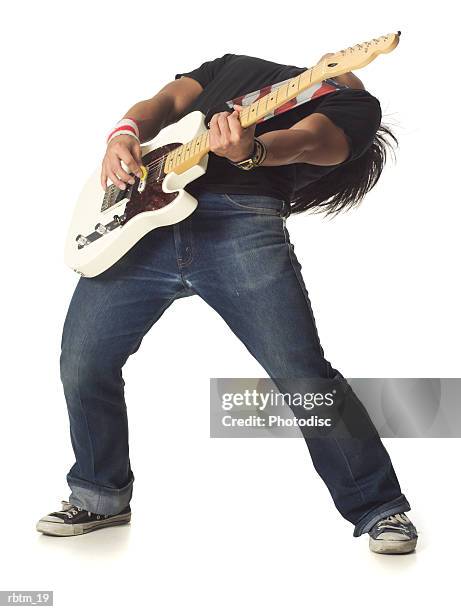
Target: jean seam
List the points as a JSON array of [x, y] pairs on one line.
[[265, 211], [99, 489], [350, 469], [82, 348], [301, 286], [190, 236], [321, 351]]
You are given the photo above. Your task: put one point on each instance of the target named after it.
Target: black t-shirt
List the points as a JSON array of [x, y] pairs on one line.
[[355, 111]]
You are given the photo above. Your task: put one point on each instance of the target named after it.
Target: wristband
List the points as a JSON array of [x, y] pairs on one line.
[[124, 126], [256, 158]]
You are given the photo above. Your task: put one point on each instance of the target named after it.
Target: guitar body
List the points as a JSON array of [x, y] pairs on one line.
[[123, 218]]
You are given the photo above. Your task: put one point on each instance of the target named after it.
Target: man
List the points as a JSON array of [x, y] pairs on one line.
[[233, 251]]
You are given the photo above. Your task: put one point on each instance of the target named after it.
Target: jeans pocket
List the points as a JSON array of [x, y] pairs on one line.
[[266, 205]]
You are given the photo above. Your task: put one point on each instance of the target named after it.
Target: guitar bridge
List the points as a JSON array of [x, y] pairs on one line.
[[100, 230]]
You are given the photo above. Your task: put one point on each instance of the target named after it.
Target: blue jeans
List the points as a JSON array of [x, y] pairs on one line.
[[234, 251]]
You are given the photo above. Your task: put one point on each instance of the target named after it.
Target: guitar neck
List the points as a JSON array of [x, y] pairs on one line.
[[190, 153], [280, 96]]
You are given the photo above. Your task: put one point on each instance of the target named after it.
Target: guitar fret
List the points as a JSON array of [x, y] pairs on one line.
[[282, 93], [271, 101], [305, 78], [262, 102], [294, 87]]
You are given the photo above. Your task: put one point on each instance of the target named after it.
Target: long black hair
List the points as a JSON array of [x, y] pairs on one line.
[[344, 187]]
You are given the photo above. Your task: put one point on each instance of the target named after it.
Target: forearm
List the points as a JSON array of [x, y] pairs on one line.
[[152, 115], [313, 140], [286, 146], [350, 80]]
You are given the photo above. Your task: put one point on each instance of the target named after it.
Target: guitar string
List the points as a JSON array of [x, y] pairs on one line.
[[157, 163], [154, 165], [159, 159]]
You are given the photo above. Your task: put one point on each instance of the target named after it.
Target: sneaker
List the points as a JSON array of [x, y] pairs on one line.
[[393, 535], [72, 520]]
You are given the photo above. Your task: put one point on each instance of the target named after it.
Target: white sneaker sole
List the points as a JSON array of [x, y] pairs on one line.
[[61, 529], [392, 547]]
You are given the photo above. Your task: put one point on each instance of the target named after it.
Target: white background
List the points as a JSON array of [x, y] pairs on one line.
[[226, 524]]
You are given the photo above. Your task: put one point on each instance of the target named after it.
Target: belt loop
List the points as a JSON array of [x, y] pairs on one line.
[[286, 209]]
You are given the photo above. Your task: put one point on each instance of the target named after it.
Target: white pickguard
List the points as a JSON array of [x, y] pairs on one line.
[[100, 254]]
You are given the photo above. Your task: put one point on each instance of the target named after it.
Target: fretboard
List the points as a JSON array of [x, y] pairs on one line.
[[190, 153]]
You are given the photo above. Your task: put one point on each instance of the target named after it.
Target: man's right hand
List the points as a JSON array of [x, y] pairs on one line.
[[121, 148]]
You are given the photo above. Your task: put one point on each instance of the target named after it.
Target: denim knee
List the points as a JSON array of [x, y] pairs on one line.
[[86, 368]]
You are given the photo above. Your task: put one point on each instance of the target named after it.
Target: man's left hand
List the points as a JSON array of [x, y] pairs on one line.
[[228, 138]]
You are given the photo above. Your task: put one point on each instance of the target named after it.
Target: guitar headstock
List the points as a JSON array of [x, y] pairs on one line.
[[357, 56]]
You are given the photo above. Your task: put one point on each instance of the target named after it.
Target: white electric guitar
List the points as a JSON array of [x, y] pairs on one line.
[[106, 224]]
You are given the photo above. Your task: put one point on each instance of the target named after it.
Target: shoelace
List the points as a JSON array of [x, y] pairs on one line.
[[70, 510], [399, 521]]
